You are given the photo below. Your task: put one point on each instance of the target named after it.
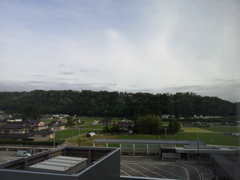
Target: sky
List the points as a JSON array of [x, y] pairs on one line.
[[153, 46]]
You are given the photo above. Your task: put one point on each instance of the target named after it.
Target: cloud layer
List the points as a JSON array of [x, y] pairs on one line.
[[153, 46]]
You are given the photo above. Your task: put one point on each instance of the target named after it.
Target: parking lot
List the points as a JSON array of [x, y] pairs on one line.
[[148, 167], [145, 167], [6, 156]]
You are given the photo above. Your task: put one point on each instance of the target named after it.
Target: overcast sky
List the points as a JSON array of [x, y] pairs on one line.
[[154, 46]]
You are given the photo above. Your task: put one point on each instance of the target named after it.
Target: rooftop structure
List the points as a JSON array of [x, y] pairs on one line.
[[65, 163]]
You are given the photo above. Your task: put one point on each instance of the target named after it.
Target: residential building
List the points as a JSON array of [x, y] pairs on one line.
[[125, 127], [107, 121], [36, 125], [15, 131], [44, 135]]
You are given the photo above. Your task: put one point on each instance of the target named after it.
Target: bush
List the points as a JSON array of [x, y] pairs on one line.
[[48, 143]]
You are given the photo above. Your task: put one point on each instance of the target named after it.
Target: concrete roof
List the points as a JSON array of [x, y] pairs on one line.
[[149, 141]]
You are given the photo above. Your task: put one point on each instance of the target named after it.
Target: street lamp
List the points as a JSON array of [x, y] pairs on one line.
[[166, 132]]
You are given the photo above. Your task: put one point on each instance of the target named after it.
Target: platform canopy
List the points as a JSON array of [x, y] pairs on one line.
[[149, 141]]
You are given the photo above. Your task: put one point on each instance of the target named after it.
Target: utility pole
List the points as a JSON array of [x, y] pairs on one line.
[[198, 147], [166, 132], [214, 169], [54, 136]]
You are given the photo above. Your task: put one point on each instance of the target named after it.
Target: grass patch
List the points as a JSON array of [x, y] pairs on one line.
[[223, 129], [90, 126], [219, 139], [137, 137], [71, 132]]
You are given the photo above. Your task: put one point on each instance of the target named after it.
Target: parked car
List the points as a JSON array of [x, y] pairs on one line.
[[23, 153]]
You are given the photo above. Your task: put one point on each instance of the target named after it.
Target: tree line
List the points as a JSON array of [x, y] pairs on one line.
[[111, 104]]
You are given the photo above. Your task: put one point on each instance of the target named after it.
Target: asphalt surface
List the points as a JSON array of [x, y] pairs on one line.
[[156, 168], [148, 167], [6, 156]]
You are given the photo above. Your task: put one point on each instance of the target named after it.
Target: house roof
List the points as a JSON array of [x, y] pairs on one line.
[[124, 124], [33, 121], [52, 122], [58, 125], [14, 136], [44, 131], [15, 125]]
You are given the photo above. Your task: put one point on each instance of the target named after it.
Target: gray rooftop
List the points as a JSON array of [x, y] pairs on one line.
[[149, 141]]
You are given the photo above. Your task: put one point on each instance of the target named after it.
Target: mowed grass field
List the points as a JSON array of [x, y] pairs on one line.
[[219, 139], [72, 132]]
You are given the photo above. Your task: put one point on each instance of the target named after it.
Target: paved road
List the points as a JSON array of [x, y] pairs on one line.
[[154, 167]]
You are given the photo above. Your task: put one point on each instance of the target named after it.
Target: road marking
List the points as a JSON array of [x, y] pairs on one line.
[[170, 172], [133, 169], [202, 174], [195, 169], [150, 170], [125, 173]]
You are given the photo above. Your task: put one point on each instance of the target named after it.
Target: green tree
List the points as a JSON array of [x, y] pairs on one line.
[[32, 111], [174, 126], [115, 129], [148, 124], [69, 121]]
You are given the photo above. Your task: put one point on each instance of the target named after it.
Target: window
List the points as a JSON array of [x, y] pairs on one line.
[[6, 131]]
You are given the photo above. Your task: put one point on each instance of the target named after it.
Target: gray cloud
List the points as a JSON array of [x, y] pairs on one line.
[[61, 65], [66, 73]]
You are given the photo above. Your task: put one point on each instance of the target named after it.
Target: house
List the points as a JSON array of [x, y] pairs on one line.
[[53, 123], [166, 116], [15, 131], [59, 126], [95, 122], [125, 127], [62, 121], [107, 121], [35, 125], [14, 120], [44, 135], [76, 121], [2, 112]]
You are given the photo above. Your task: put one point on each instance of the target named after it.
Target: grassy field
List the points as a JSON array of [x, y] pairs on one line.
[[138, 137], [223, 129], [71, 132], [219, 139]]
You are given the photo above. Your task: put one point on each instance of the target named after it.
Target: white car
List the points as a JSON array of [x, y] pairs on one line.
[[23, 153]]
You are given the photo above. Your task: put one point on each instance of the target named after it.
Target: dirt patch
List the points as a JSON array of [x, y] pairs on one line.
[[194, 129]]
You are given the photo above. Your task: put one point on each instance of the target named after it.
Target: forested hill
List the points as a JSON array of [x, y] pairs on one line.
[[115, 104]]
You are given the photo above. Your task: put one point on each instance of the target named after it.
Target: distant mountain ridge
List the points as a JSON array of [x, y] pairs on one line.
[[117, 104]]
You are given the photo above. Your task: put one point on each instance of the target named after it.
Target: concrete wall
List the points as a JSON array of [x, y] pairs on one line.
[[107, 167], [170, 155]]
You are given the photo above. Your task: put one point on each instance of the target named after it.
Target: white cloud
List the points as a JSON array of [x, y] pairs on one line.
[[151, 45]]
